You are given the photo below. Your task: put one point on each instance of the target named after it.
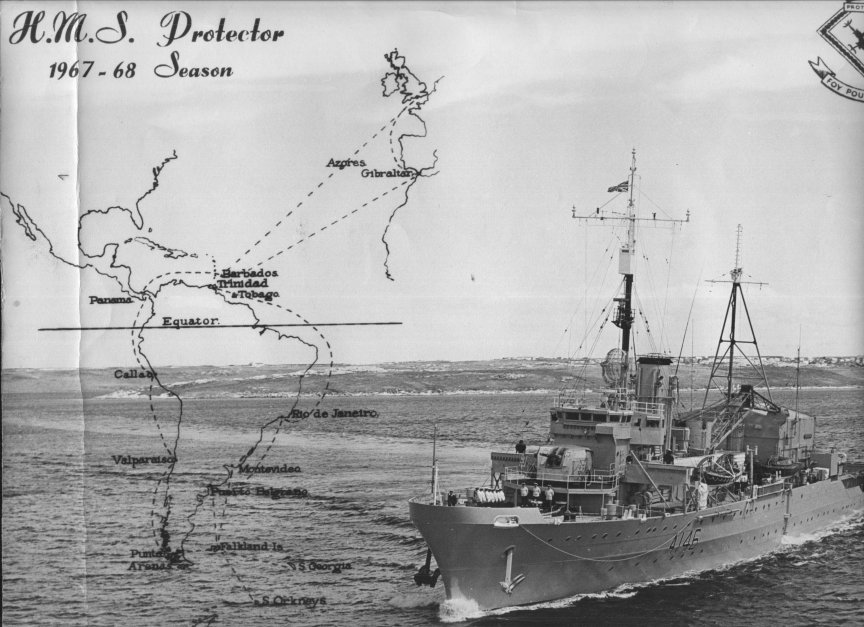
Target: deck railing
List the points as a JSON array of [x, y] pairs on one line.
[[654, 410], [622, 400], [771, 488], [594, 480]]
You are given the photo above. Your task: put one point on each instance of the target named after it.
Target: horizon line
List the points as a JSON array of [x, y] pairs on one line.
[[378, 363]]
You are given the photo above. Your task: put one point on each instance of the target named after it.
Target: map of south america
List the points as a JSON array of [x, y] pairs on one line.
[[185, 294]]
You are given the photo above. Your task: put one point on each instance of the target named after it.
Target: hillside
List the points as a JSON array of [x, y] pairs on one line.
[[496, 376]]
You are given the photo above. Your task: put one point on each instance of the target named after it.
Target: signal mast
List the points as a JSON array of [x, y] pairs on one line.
[[626, 261]]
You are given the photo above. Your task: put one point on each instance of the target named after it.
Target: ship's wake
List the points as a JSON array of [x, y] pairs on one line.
[[847, 523], [459, 610]]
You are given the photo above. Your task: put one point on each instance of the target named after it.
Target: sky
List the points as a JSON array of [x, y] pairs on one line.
[[538, 109]]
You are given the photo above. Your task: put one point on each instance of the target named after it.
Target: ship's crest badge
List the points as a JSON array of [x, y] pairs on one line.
[[844, 31]]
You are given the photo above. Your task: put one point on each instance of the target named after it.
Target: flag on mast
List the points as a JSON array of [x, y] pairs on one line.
[[621, 187]]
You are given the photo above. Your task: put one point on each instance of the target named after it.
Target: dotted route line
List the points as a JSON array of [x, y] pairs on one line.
[[217, 527], [239, 580], [392, 122], [153, 513], [393, 150], [218, 517], [144, 363], [323, 392], [139, 357], [280, 420], [333, 223]]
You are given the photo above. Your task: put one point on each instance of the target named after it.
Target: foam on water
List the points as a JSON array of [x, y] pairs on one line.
[[846, 523], [459, 610]]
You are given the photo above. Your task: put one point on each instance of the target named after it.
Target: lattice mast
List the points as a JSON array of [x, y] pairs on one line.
[[733, 341]]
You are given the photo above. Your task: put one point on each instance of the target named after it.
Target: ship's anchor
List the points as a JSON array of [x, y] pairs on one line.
[[425, 576], [508, 584]]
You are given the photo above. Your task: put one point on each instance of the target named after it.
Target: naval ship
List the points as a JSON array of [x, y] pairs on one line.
[[628, 489]]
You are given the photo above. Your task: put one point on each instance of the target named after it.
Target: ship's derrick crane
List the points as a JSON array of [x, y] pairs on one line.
[[722, 366], [726, 415]]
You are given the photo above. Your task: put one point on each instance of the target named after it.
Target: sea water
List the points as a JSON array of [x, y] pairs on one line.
[[73, 515]]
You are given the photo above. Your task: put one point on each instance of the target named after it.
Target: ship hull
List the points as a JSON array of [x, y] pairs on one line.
[[559, 560]]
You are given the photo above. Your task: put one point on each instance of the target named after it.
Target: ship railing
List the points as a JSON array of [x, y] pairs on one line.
[[464, 496], [655, 410], [595, 480], [610, 512], [429, 499], [627, 512], [617, 400], [571, 399], [592, 398], [771, 488]]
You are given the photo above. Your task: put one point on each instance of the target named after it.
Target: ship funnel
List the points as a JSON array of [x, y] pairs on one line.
[[653, 379]]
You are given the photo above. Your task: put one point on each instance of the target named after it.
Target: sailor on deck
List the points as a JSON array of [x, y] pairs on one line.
[[520, 446]]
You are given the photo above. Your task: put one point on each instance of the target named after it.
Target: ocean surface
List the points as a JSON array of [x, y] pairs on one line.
[[345, 553]]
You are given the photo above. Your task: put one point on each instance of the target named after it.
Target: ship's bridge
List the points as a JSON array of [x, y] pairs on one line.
[[644, 420], [618, 404]]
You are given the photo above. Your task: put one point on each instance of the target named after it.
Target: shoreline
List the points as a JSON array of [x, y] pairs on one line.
[[190, 397]]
